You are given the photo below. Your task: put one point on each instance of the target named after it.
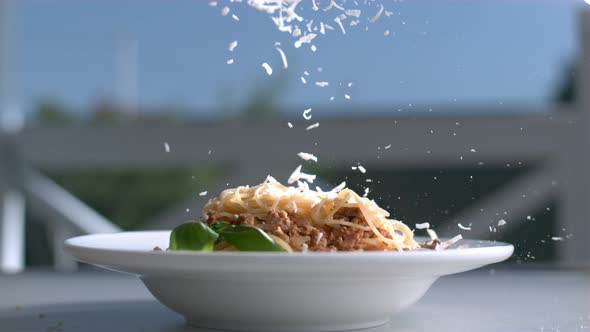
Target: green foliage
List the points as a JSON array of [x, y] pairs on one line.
[[52, 112]]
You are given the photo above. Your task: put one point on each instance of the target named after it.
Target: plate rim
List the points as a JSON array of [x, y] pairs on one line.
[[146, 262]]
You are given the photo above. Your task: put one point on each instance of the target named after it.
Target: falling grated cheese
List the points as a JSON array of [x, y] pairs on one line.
[[423, 225], [557, 238], [313, 48], [306, 39], [377, 16], [362, 169], [307, 177], [295, 176], [432, 234], [386, 33], [233, 45], [290, 124], [166, 147], [203, 193], [338, 21], [346, 96], [339, 187], [303, 80], [307, 114], [353, 12], [333, 4], [225, 11], [366, 192], [501, 222], [230, 61], [387, 146], [466, 228], [213, 3], [322, 84], [235, 17], [314, 6], [267, 68], [315, 125], [283, 57], [307, 156]]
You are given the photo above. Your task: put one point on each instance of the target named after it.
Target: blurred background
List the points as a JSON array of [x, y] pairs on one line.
[[120, 115]]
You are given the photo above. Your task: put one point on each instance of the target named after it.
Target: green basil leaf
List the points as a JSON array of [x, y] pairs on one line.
[[219, 225], [193, 236], [248, 238]]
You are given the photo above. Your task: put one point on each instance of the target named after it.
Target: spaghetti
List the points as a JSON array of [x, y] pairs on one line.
[[311, 219]]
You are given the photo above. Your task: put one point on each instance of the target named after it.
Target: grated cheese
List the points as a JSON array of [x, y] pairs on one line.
[[295, 176], [307, 177], [290, 124], [307, 156], [353, 12], [339, 187], [267, 67], [306, 39], [432, 234], [307, 114], [166, 147], [283, 57], [501, 222], [315, 125], [235, 17], [423, 225], [377, 16], [233, 45], [225, 11], [362, 169], [452, 241], [322, 84], [230, 61], [203, 193], [466, 228], [338, 21]]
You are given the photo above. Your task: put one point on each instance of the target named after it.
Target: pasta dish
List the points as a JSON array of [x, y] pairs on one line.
[[300, 219]]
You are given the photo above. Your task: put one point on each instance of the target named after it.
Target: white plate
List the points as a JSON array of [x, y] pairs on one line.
[[248, 291]]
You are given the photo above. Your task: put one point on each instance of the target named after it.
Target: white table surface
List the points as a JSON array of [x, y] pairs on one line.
[[507, 300]]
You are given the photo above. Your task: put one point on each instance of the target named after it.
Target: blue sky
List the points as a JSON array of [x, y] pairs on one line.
[[439, 52]]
